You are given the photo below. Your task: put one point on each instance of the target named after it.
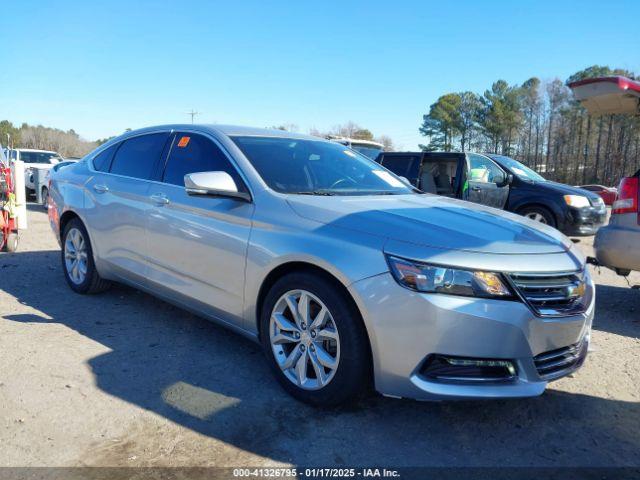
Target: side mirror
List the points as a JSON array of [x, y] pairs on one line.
[[508, 180], [214, 184]]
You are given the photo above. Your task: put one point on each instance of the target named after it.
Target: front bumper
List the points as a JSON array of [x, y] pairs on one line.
[[406, 328], [581, 222], [618, 247]]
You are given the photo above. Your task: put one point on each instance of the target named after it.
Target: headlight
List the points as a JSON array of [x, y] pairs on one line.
[[577, 201], [453, 281]]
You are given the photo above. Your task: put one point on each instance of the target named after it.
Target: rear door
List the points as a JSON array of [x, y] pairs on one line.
[[118, 203], [486, 182], [197, 244], [441, 173], [407, 166]]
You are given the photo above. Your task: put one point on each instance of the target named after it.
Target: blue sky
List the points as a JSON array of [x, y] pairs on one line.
[[100, 67]]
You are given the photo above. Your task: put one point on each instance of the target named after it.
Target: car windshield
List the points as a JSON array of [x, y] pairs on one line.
[[368, 151], [519, 169], [314, 167], [39, 157]]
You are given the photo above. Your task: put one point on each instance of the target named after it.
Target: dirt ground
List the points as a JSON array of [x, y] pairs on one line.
[[124, 379]]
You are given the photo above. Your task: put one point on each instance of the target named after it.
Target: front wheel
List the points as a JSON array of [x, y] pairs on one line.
[[315, 340], [539, 214], [77, 260]]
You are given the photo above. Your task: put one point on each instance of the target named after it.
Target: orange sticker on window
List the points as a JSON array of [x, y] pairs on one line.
[[184, 141]]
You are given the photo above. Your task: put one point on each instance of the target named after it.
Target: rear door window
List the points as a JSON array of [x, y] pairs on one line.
[[138, 156], [191, 153]]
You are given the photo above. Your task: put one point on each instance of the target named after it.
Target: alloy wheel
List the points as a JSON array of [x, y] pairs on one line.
[[304, 339], [537, 217], [75, 256]]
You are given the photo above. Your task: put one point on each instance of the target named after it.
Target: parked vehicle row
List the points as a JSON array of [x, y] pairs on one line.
[[33, 160], [501, 182], [617, 245], [346, 275]]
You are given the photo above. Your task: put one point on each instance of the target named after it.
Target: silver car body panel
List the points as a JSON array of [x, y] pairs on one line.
[[212, 255], [617, 245]]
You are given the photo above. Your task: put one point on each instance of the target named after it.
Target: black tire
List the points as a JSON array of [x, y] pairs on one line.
[[44, 197], [11, 244], [545, 213], [352, 378], [92, 283]]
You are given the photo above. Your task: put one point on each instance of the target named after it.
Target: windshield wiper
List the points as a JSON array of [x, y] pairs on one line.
[[314, 192]]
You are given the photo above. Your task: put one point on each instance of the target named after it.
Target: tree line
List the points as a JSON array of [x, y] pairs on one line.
[[67, 144], [542, 125]]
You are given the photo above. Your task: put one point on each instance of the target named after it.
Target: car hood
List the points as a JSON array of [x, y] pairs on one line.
[[433, 221], [562, 189]]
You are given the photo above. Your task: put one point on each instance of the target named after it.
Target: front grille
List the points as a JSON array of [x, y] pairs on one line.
[[553, 294], [556, 363]]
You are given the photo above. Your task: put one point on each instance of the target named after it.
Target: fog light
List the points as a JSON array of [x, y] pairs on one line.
[[483, 363], [446, 368]]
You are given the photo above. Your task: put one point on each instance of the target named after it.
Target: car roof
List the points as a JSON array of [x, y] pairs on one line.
[[228, 130]]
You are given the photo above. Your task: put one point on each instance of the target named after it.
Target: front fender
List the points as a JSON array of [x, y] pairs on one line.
[[347, 256]]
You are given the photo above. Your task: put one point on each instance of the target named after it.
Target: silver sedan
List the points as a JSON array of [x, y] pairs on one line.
[[348, 277]]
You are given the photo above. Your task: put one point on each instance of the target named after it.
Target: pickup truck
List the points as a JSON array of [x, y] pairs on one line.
[[501, 182], [33, 159]]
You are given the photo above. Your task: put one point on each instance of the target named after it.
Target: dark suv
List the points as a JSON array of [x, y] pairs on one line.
[[501, 182]]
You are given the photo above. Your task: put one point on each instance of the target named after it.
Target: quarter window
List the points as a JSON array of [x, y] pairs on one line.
[[191, 153], [137, 156], [102, 161]]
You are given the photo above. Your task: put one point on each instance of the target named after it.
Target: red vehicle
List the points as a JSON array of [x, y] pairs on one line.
[[608, 194]]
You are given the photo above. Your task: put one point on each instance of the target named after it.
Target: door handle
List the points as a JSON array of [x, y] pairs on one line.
[[99, 188], [159, 199], [476, 189]]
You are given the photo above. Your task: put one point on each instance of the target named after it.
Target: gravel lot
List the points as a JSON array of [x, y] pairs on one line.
[[124, 379]]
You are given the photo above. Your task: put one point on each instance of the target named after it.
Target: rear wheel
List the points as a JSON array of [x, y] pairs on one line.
[[315, 340], [539, 214], [77, 260]]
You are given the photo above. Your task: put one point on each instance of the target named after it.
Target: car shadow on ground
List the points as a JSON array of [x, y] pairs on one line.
[[625, 302], [215, 382]]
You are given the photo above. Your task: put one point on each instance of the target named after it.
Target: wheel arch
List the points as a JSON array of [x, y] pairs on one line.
[[542, 205], [65, 218], [297, 266]]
